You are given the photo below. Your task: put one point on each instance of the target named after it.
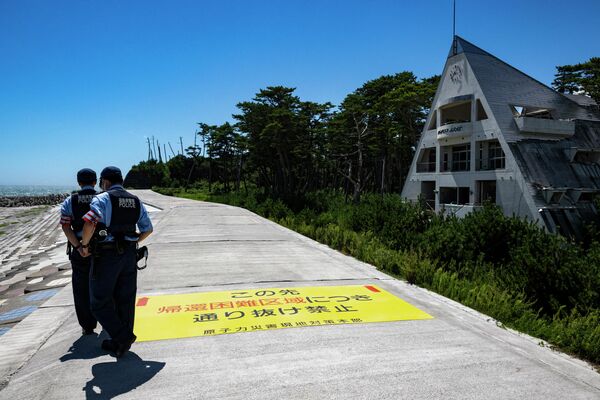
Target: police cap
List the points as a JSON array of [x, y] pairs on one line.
[[112, 174], [86, 175]]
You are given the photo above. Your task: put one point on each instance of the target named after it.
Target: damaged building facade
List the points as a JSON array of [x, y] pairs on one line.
[[496, 135]]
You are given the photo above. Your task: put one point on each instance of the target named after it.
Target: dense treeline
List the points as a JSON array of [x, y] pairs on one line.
[[582, 78], [287, 146]]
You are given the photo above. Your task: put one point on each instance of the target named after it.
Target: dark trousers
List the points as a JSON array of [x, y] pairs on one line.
[[113, 286], [81, 290]]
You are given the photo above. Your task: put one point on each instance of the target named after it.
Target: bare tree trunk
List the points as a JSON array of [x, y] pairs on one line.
[[150, 157], [383, 176], [190, 174], [358, 182], [209, 175], [239, 174], [154, 146]]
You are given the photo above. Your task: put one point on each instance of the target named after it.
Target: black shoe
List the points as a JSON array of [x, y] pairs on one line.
[[85, 332], [109, 345], [123, 348]]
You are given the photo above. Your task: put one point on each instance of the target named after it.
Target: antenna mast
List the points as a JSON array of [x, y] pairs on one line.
[[454, 19], [454, 47]]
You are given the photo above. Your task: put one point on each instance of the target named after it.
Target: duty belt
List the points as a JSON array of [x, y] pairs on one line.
[[115, 245]]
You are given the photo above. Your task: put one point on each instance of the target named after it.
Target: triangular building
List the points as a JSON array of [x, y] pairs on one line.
[[496, 135]]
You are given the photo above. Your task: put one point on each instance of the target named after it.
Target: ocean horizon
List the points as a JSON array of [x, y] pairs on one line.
[[35, 190]]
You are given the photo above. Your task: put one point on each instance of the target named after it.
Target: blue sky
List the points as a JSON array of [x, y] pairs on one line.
[[83, 83]]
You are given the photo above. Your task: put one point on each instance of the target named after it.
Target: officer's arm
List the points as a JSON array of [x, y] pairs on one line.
[[71, 237], [86, 236], [88, 232], [89, 224], [144, 224], [144, 235], [66, 215]]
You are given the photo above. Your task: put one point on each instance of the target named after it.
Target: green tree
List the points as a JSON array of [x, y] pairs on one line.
[[284, 135], [222, 150], [376, 128], [147, 174], [579, 78]]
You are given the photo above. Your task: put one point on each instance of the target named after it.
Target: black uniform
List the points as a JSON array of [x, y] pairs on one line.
[[114, 270], [80, 205]]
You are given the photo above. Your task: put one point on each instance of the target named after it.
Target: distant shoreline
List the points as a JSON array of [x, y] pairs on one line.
[[28, 201]]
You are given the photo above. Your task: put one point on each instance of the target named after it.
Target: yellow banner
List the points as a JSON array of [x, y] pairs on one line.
[[215, 313]]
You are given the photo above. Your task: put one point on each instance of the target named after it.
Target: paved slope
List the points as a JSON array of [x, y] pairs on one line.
[[207, 247]]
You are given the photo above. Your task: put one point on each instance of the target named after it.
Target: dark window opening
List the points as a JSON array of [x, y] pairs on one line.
[[426, 161], [587, 157], [481, 114], [456, 113], [454, 195], [586, 197], [463, 195], [486, 192], [532, 112], [428, 193], [556, 197], [433, 122]]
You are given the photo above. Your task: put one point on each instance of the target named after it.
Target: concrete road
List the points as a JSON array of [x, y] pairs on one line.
[[202, 247]]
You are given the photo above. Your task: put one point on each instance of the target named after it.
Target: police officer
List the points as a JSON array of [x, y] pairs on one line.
[[72, 211], [113, 218]]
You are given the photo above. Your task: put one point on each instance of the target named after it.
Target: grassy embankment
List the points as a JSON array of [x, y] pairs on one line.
[[507, 268]]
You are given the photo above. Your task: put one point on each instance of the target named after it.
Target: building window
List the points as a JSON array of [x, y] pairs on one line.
[[486, 192], [445, 160], [531, 112], [481, 114], [490, 156], [455, 158], [433, 122], [454, 195], [426, 161], [587, 156], [428, 193], [456, 113], [586, 197], [461, 158]]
